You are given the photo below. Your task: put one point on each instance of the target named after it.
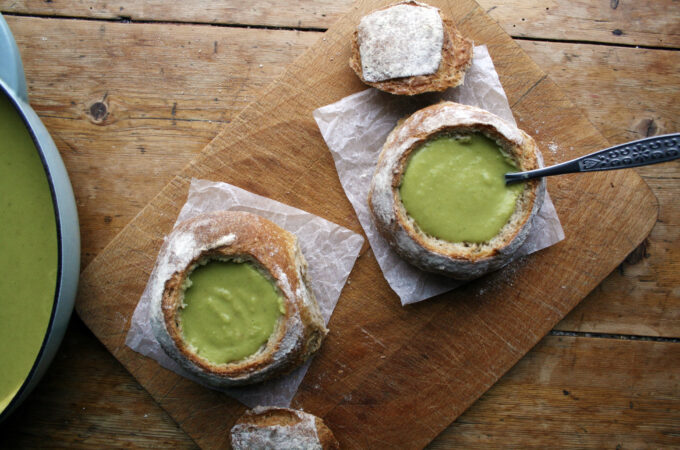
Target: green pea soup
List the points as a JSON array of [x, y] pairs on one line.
[[29, 252], [454, 188], [230, 310]]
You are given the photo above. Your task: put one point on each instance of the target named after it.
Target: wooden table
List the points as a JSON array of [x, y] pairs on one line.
[[131, 90]]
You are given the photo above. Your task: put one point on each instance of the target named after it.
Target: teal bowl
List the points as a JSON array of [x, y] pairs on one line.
[[13, 86]]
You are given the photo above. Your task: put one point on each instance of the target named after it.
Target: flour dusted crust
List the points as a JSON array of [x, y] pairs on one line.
[[239, 236], [460, 260], [276, 428], [400, 41], [454, 60]]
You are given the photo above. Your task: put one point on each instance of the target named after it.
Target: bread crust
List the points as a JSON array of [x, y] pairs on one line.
[[459, 260], [240, 236], [267, 427], [456, 59]]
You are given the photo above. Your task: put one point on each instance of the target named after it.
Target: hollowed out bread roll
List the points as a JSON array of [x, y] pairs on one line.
[[455, 52], [236, 238], [272, 428], [460, 260]]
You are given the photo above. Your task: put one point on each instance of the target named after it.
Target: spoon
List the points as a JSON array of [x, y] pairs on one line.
[[643, 152]]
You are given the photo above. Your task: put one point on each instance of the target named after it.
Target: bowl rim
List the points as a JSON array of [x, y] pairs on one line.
[[57, 287]]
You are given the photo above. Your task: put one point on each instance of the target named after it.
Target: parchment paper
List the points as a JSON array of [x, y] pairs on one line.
[[330, 250], [355, 129]]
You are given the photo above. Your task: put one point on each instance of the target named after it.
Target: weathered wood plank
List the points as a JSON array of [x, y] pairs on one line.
[[373, 400], [161, 114], [628, 94], [118, 138], [168, 90], [605, 402], [88, 400], [644, 22], [578, 393], [273, 13]]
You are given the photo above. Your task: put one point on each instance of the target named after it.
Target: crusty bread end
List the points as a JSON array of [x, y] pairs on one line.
[[276, 428], [456, 59]]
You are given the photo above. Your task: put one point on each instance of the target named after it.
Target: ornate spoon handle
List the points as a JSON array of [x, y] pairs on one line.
[[651, 150]]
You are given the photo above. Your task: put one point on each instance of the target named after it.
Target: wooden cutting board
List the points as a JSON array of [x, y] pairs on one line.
[[387, 375]]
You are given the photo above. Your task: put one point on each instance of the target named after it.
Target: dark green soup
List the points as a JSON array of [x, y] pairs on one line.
[[28, 252]]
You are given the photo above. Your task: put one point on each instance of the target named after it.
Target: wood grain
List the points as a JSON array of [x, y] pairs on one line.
[[641, 297], [167, 91], [318, 14], [155, 125], [627, 93], [651, 22], [357, 387], [578, 393], [527, 407], [644, 22], [88, 400], [55, 414]]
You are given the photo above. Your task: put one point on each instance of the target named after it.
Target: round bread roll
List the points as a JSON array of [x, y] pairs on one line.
[[272, 428], [459, 260], [415, 39], [237, 237]]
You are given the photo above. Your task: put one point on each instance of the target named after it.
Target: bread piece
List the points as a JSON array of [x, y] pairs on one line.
[[456, 57], [460, 260], [279, 429], [240, 236]]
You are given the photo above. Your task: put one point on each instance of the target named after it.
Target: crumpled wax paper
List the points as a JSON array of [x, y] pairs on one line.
[[330, 250], [355, 129]]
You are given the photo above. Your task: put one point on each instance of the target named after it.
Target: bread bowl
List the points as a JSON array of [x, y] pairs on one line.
[[409, 48], [230, 300], [477, 242], [279, 429]]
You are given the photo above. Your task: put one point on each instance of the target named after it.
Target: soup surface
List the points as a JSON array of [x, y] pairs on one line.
[[28, 252], [454, 188], [229, 310]]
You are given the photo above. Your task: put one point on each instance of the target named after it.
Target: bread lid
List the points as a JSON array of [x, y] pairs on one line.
[[460, 260], [409, 48], [403, 40]]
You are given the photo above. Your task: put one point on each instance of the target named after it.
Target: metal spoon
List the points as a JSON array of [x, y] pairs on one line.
[[651, 150]]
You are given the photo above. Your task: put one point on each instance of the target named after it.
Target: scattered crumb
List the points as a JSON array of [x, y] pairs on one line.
[[553, 148]]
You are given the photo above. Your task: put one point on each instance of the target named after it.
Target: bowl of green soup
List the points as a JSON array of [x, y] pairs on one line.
[[39, 238]]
